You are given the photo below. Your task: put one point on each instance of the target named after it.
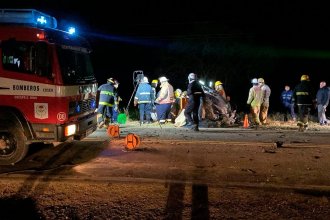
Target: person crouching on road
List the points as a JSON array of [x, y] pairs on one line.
[[255, 100], [195, 93], [144, 98], [164, 100]]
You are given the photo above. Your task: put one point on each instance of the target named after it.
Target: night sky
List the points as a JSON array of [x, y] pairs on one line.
[[232, 41]]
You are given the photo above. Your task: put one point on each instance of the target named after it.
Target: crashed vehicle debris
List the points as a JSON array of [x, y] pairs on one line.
[[216, 111]]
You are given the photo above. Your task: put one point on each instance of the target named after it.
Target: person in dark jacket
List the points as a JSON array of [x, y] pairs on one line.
[[303, 98], [106, 102], [194, 92], [144, 97], [322, 101], [286, 100]]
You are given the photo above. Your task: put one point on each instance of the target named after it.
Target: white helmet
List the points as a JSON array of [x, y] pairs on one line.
[[163, 79], [192, 77], [145, 79], [254, 81]]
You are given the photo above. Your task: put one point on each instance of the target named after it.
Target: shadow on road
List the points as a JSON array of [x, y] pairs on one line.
[[53, 160], [18, 208], [45, 157]]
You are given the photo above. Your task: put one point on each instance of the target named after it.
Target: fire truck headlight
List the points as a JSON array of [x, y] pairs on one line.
[[70, 130]]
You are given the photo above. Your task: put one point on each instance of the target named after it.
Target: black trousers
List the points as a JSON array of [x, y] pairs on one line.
[[192, 109]]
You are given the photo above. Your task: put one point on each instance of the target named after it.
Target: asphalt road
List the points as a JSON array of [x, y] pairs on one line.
[[211, 174]]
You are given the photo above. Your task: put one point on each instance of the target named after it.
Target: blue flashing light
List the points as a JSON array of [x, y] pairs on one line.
[[27, 16], [93, 104], [42, 20], [71, 30], [78, 108]]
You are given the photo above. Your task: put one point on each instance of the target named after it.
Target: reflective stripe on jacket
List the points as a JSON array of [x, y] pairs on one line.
[[303, 94], [107, 94], [144, 93]]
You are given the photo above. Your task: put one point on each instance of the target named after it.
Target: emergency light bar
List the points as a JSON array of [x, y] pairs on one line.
[[27, 16]]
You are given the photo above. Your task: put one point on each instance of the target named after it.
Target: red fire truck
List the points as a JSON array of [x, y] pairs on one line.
[[47, 85]]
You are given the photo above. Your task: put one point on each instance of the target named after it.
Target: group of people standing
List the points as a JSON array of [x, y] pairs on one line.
[[302, 97], [147, 99], [258, 101]]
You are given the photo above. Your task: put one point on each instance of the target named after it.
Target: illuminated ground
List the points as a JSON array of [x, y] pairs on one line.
[[274, 172]]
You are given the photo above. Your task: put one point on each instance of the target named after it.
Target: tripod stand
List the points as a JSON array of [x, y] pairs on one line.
[[138, 77]]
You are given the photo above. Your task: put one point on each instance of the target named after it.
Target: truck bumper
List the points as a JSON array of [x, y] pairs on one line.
[[56, 133]]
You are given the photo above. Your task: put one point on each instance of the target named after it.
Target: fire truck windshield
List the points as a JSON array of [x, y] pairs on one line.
[[75, 65]]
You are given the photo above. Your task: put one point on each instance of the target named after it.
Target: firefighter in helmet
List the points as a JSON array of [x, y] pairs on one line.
[[106, 102], [154, 84], [144, 98], [254, 101], [302, 97], [195, 93], [265, 101], [164, 100], [218, 85], [175, 109]]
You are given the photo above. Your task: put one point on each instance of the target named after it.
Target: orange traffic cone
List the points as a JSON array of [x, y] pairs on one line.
[[246, 121]]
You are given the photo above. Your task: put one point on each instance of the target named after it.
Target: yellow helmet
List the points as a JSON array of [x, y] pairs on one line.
[[154, 81], [217, 83], [177, 93], [304, 78], [261, 80]]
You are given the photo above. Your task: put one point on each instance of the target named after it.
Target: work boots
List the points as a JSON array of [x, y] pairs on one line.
[[194, 128]]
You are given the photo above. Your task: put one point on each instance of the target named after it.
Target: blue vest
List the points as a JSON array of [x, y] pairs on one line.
[[286, 98]]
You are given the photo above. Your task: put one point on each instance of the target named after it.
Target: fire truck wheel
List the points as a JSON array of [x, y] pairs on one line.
[[12, 146]]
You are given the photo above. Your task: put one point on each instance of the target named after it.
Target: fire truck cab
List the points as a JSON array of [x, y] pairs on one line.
[[47, 84]]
